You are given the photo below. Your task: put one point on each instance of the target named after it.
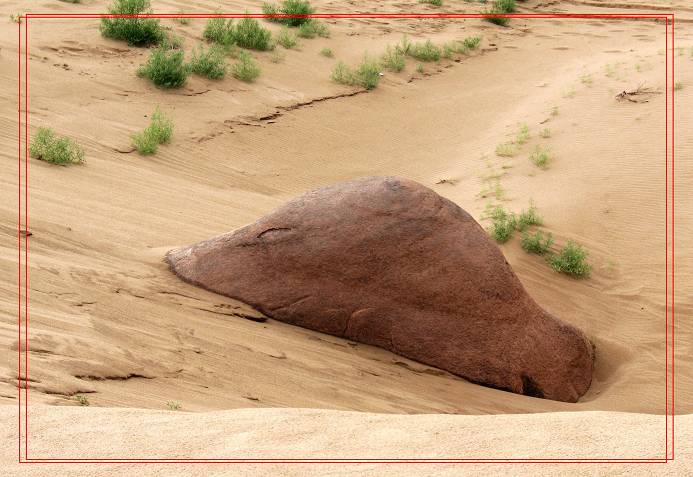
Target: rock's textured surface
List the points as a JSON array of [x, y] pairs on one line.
[[388, 262]]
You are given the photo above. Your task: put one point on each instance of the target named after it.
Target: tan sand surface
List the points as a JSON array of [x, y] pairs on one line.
[[108, 319]]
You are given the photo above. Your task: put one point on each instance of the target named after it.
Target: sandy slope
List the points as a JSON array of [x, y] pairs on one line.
[[108, 319]]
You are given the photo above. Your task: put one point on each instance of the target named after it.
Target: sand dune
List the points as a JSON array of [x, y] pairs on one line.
[[108, 319]]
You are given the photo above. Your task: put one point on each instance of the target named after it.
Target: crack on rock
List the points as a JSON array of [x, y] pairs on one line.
[[273, 229], [295, 302]]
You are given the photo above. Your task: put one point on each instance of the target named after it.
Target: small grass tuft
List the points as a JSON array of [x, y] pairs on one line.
[[528, 217], [15, 18], [545, 133], [165, 68], [135, 31], [677, 86], [289, 7], [536, 243], [327, 53], [313, 28], [245, 69], [586, 79], [420, 68], [286, 38], [81, 399], [173, 405], [502, 224], [435, 3], [159, 131], [366, 75], [571, 260], [506, 149], [540, 157], [210, 62], [522, 135], [393, 59], [250, 34], [424, 51], [56, 150], [500, 7], [219, 30], [277, 56]]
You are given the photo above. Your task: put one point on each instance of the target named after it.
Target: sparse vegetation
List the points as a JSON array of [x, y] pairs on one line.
[[173, 405], [286, 38], [545, 133], [536, 243], [165, 68], [528, 217], [540, 157], [250, 34], [393, 59], [313, 28], [522, 135], [56, 150], [135, 31], [435, 3], [501, 7], [554, 111], [277, 56], [245, 68], [295, 8], [502, 224], [506, 149], [209, 62], [327, 53], [678, 85], [159, 131], [571, 260], [586, 79], [219, 30], [15, 18], [182, 20], [81, 398], [420, 68], [366, 75], [424, 51], [171, 42]]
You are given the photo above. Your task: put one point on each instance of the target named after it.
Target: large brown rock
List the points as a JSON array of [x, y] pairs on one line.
[[388, 262]]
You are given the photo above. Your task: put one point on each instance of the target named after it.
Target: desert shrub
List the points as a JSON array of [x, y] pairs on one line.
[[545, 133], [678, 86], [436, 3], [173, 405], [472, 42], [219, 30], [158, 132], [286, 38], [135, 31], [536, 243], [56, 150], [528, 217], [81, 398], [250, 34], [165, 68], [393, 59], [506, 149], [420, 68], [540, 157], [15, 18], [522, 135], [313, 28], [327, 52], [502, 224], [289, 7], [501, 7], [171, 42], [245, 69], [571, 260], [366, 75], [424, 51], [210, 62]]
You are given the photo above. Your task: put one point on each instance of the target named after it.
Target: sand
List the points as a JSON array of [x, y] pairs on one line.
[[109, 321]]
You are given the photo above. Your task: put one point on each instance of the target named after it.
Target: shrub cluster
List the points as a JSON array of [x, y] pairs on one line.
[[295, 8], [158, 132], [56, 150], [503, 223], [209, 62], [135, 31], [247, 34]]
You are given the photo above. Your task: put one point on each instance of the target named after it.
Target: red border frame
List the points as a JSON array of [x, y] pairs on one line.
[[666, 18]]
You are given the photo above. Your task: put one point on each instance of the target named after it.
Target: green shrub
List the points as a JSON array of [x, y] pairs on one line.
[[165, 68], [245, 69], [501, 7], [56, 150], [522, 135], [425, 51], [219, 30], [289, 7], [313, 28], [210, 62], [506, 149], [173, 405], [472, 42], [81, 398], [366, 75], [502, 224], [158, 132], [528, 217], [249, 34], [420, 68], [327, 52], [437, 3], [393, 59], [571, 260], [537, 242], [286, 38], [540, 157], [136, 31]]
